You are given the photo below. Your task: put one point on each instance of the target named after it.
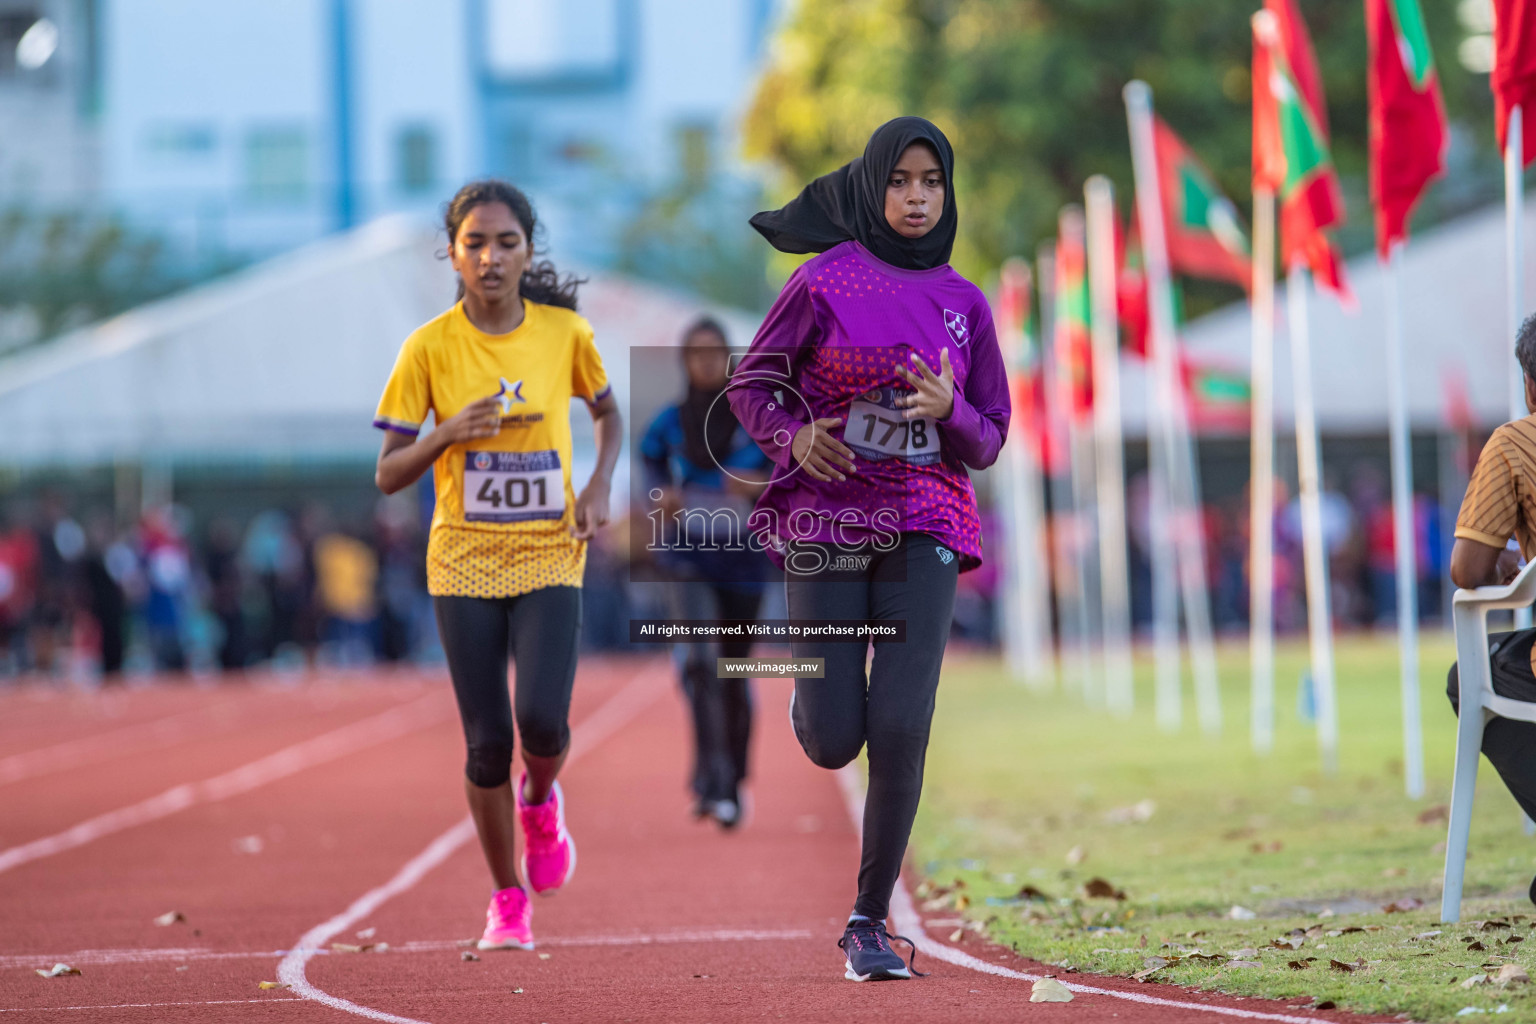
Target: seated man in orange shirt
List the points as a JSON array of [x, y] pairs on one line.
[[1501, 503]]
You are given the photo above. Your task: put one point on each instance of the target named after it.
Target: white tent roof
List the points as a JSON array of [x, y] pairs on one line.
[[282, 360], [1453, 302]]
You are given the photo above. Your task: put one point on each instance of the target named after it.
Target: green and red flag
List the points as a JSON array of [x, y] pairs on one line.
[[1018, 337], [1514, 69], [1290, 144], [1217, 396], [1074, 343], [1205, 235], [1408, 130]]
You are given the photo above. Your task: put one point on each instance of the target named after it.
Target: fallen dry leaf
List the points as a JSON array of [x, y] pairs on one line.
[[57, 971], [1326, 1004], [937, 903], [1476, 947], [1340, 965], [468, 957], [1076, 856], [1428, 935], [1244, 963], [1049, 990], [1274, 846], [1437, 815], [272, 984], [1143, 943], [1511, 974], [170, 917], [517, 991], [1403, 905], [1475, 981], [1514, 939], [1297, 965], [1393, 872], [1241, 914], [1244, 954], [957, 935], [543, 956], [1032, 894], [1101, 889], [1152, 963], [367, 933]]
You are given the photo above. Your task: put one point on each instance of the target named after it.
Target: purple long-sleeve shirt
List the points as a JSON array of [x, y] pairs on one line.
[[829, 347]]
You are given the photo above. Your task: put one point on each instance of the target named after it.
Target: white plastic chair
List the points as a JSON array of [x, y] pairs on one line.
[[1478, 703]]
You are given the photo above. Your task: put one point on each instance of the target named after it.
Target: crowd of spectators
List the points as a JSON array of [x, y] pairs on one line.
[[82, 595]]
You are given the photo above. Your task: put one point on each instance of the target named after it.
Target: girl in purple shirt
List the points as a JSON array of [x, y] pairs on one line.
[[873, 384]]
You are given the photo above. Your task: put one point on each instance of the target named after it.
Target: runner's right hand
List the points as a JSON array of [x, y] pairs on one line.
[[478, 419], [819, 452]]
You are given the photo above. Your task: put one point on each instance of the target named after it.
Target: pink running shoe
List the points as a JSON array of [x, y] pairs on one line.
[[507, 921], [549, 853]]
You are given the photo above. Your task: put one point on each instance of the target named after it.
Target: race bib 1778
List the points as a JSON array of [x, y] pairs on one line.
[[511, 487], [877, 430]]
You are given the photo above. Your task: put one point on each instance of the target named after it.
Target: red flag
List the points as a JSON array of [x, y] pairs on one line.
[[1407, 115], [1514, 68], [1131, 294], [1205, 234], [1291, 143]]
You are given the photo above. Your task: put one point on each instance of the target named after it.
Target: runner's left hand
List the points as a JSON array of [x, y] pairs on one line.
[[935, 394], [591, 512]]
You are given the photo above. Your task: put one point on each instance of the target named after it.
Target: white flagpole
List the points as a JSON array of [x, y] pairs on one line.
[[1261, 485], [1027, 629], [1514, 268], [1070, 643], [1081, 456], [1114, 574], [1402, 530], [1178, 446], [1168, 691], [1315, 556], [1189, 536]]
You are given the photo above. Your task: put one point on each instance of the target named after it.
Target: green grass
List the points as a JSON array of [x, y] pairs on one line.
[[1028, 789]]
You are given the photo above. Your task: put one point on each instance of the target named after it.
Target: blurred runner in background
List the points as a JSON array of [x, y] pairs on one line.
[[699, 461]]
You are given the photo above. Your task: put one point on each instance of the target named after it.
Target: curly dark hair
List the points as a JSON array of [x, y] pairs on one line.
[[541, 282], [1525, 346]]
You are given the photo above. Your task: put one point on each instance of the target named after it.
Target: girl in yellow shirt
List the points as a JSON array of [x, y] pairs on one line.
[[508, 542]]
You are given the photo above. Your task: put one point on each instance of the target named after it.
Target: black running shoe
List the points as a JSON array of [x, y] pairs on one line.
[[870, 956]]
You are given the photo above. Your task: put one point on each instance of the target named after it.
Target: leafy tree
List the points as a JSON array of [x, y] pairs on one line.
[[1029, 92]]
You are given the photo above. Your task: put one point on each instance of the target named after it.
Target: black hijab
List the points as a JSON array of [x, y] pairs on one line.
[[850, 203]]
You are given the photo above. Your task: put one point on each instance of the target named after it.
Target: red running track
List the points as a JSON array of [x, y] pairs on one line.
[[280, 818]]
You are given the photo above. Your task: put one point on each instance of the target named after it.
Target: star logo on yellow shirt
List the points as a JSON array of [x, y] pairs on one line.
[[510, 394]]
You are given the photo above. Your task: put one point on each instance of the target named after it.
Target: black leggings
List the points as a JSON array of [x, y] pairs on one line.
[[722, 708], [892, 709], [1510, 746], [540, 629]]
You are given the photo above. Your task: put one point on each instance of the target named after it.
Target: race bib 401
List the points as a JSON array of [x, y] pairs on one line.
[[877, 430], [510, 487]]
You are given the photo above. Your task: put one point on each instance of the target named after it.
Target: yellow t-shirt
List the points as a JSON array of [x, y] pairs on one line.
[[504, 503]]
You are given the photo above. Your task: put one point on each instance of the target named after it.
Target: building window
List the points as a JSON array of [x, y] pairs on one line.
[[416, 158], [181, 141], [277, 164], [539, 39]]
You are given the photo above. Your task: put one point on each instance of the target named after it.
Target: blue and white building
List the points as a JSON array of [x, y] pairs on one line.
[[252, 126]]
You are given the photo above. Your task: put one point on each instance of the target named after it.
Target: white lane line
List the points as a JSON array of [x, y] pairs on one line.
[[910, 923], [151, 1006], [89, 750], [396, 722], [614, 713], [112, 957]]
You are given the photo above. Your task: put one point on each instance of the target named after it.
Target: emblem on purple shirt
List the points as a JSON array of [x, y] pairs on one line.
[[955, 324]]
